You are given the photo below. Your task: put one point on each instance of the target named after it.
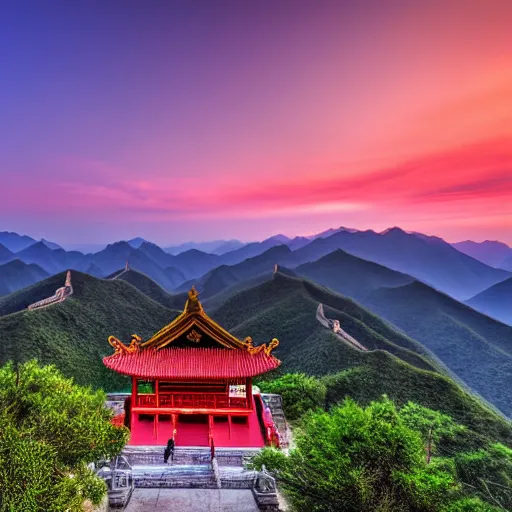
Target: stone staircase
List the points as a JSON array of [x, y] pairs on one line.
[[151, 455], [174, 476], [275, 404], [190, 468]]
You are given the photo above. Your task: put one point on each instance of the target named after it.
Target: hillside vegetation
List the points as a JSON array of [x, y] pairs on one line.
[[351, 276], [16, 274], [496, 301], [73, 334], [151, 289], [285, 307], [475, 347]]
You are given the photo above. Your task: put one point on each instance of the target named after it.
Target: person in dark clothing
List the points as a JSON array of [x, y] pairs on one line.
[[169, 451]]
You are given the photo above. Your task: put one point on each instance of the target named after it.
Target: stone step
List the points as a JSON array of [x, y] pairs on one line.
[[174, 476], [152, 455]]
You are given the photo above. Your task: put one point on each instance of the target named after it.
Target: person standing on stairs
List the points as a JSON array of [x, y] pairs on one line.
[[169, 451]]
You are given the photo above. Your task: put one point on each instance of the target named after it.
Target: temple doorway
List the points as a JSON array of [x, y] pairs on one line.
[[165, 428], [192, 430]]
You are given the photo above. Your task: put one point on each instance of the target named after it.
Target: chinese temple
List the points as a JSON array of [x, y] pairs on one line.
[[192, 382]]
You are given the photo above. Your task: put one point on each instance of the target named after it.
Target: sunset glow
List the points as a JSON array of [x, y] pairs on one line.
[[207, 120]]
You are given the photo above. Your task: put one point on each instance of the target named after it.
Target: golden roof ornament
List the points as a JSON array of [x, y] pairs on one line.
[[193, 305], [194, 336], [121, 348]]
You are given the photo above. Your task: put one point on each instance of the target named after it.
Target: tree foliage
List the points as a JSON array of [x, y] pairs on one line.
[[360, 459], [299, 392], [50, 429], [488, 474]]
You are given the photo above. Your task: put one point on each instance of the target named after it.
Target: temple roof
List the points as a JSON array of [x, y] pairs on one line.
[[192, 345], [191, 363], [193, 316]]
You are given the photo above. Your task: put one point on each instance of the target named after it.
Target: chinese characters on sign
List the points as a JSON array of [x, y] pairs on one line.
[[237, 391]]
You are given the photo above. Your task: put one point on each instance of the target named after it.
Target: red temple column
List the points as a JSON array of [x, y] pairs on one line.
[[248, 388], [134, 401], [210, 427]]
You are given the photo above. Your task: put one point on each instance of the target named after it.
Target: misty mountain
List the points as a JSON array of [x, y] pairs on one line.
[[214, 247], [157, 254], [491, 253], [84, 248], [115, 256], [331, 231], [223, 277], [5, 254], [51, 260], [251, 250], [429, 259], [475, 347], [286, 308], [195, 263], [496, 301], [213, 282], [51, 245], [351, 276], [298, 242], [507, 264], [15, 242], [226, 246], [149, 288], [16, 275], [93, 270], [136, 242], [176, 277]]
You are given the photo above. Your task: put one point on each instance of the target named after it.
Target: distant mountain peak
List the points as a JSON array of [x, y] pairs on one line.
[[393, 230], [51, 245], [136, 242], [490, 252], [278, 238], [332, 231]]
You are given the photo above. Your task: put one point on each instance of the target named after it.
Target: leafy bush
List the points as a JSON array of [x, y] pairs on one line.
[[272, 458], [488, 474], [470, 505], [360, 459], [50, 429], [299, 392]]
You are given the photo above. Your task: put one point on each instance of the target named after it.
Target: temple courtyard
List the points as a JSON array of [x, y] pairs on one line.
[[192, 500]]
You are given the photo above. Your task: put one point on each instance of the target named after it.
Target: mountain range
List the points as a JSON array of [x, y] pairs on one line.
[[429, 259], [496, 301], [73, 335], [492, 253]]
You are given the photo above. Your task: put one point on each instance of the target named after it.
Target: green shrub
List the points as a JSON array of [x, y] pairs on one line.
[[50, 429], [470, 505], [488, 474], [299, 392], [359, 459]]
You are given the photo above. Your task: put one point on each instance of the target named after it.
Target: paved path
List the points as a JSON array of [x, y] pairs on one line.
[[192, 500]]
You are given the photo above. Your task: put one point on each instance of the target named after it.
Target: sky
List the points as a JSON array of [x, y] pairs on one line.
[[201, 120]]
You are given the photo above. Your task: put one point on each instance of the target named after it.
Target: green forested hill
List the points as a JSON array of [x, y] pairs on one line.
[[285, 307], [475, 347], [350, 275], [148, 287], [73, 334], [16, 274]]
